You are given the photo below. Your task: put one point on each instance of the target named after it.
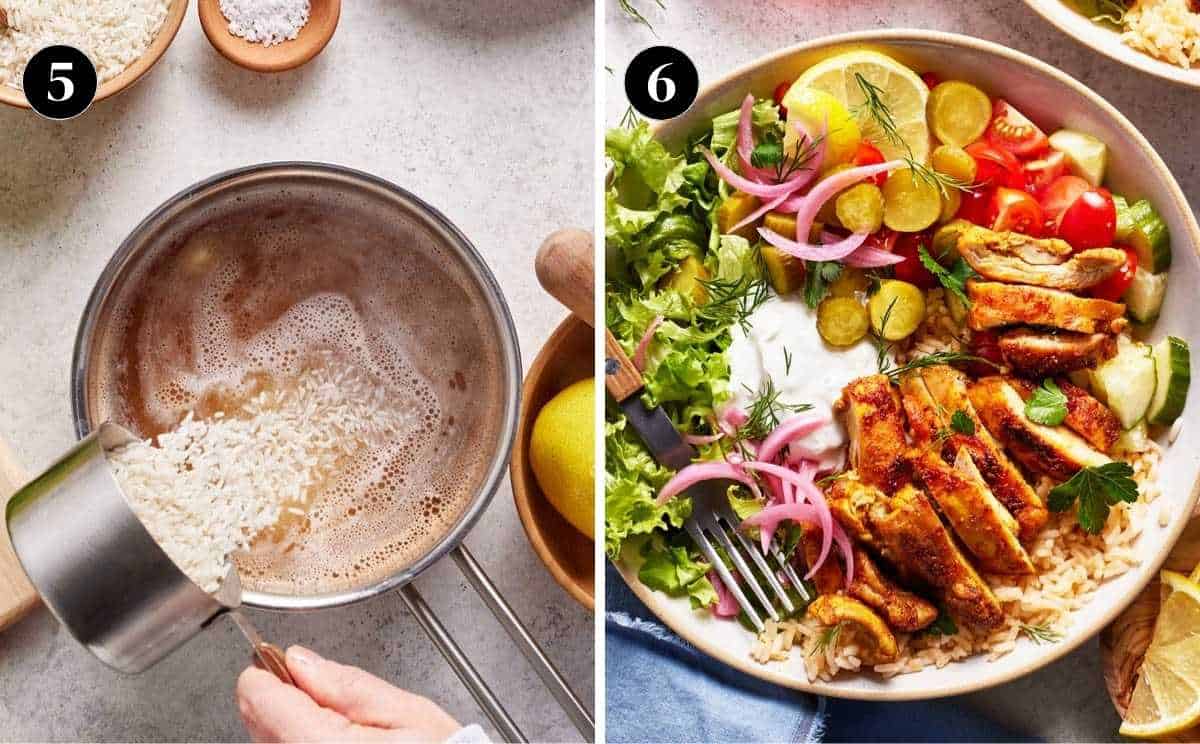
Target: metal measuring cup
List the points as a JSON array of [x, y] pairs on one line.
[[101, 573]]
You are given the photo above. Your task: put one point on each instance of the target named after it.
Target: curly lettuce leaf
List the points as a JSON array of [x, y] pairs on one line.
[[672, 570], [632, 480]]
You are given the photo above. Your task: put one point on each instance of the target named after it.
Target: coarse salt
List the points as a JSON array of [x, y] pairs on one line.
[[265, 22]]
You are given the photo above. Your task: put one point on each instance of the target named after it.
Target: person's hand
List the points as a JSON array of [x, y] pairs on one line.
[[333, 702]]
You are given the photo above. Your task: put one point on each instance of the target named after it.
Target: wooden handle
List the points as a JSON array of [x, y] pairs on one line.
[[620, 376], [17, 595], [565, 268], [270, 657]]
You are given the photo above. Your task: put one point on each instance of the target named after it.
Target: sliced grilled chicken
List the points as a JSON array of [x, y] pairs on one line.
[[903, 610], [1045, 262], [877, 642], [1048, 353], [1055, 451], [985, 527], [850, 499], [871, 409], [912, 537], [1086, 416], [947, 389], [994, 305]]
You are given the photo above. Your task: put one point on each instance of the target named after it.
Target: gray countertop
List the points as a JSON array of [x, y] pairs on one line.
[[1065, 701], [467, 103]]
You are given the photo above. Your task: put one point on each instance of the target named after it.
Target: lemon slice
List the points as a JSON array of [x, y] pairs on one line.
[[901, 90], [1166, 699]]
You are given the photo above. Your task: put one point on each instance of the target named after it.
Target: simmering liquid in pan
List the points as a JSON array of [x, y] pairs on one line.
[[245, 303]]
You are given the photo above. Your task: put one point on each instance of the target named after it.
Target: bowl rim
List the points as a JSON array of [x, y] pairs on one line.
[[131, 74], [1078, 635], [1126, 55], [522, 493]]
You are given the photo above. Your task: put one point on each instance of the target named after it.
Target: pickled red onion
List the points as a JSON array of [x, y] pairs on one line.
[[698, 439], [726, 605], [808, 251], [811, 493], [769, 518], [793, 428], [703, 471], [761, 190], [639, 354], [809, 172], [870, 257], [745, 143]]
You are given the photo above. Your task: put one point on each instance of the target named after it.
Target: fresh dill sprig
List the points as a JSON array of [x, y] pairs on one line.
[[787, 361], [1041, 633], [940, 181], [882, 348], [764, 412], [879, 112], [630, 119], [934, 359], [826, 639], [732, 301], [771, 153], [629, 9]]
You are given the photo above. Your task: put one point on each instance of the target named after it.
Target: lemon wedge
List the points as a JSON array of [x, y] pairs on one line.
[[900, 89], [1166, 699]]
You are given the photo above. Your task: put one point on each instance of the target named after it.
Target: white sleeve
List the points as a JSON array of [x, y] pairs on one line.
[[472, 734]]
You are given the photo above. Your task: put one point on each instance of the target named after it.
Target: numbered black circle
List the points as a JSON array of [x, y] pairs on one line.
[[60, 82], [661, 82]]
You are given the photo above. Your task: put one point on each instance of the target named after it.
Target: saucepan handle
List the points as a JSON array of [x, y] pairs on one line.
[[461, 665], [541, 663]]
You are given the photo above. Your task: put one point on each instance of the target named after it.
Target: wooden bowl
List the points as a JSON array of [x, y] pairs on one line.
[[322, 22], [569, 555], [133, 73]]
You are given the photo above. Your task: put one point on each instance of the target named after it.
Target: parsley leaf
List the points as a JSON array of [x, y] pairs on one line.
[[953, 279], [1048, 405], [767, 153], [944, 625], [1096, 488], [962, 423], [817, 277]]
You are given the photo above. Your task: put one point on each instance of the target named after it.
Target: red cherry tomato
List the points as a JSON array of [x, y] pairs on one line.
[[976, 206], [1090, 221], [931, 79], [1040, 173], [1060, 194], [868, 154], [1114, 287], [910, 269], [995, 167], [1015, 210], [985, 345], [1011, 131], [781, 91]]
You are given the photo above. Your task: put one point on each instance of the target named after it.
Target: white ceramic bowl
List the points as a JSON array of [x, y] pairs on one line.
[[1107, 41], [1052, 99]]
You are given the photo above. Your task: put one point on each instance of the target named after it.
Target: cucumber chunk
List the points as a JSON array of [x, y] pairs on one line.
[[1172, 361], [1144, 298], [1124, 218], [1087, 157], [1127, 382], [1149, 236]]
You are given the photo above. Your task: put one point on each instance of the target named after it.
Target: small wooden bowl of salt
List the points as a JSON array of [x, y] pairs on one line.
[[267, 36]]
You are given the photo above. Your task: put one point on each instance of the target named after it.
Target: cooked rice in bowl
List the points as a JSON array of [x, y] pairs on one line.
[[1166, 29], [1071, 566]]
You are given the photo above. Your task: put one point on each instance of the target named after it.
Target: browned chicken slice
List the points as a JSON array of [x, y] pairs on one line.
[[903, 610], [994, 304], [1055, 451], [912, 537], [925, 421], [985, 527], [1086, 416], [850, 499], [1046, 262], [871, 409], [879, 645], [947, 389], [1046, 353]]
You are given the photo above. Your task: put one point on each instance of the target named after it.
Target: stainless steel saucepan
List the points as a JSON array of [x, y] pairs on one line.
[[95, 568]]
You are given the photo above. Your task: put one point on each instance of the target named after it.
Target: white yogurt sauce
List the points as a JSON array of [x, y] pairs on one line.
[[816, 375]]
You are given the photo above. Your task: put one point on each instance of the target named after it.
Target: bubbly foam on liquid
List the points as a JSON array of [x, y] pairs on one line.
[[233, 311]]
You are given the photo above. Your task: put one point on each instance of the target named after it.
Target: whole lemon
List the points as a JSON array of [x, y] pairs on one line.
[[562, 454]]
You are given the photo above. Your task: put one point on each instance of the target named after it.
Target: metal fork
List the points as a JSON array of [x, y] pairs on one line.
[[713, 517]]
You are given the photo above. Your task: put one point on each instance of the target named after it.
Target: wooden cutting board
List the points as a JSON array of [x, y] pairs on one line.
[[17, 596]]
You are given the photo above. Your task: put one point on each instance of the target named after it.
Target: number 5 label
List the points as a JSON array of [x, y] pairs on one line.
[[661, 82], [59, 82]]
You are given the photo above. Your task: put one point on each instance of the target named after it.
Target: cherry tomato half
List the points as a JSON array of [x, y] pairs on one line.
[[781, 91], [1011, 131], [977, 206], [986, 345], [911, 269], [1040, 173], [868, 154], [1016, 211], [1090, 221], [1060, 194], [995, 167], [1114, 287], [931, 79]]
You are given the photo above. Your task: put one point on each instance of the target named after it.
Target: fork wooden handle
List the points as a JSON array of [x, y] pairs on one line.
[[270, 657]]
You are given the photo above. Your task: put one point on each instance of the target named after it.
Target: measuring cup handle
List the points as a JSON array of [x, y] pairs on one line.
[[270, 657], [462, 666], [537, 658]]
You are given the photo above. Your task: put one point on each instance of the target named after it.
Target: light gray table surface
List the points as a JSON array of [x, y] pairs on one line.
[[483, 109], [1065, 701]]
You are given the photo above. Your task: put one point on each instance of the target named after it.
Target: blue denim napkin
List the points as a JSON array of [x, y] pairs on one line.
[[661, 689]]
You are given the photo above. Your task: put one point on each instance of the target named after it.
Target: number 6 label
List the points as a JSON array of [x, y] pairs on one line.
[[661, 82], [59, 82]]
